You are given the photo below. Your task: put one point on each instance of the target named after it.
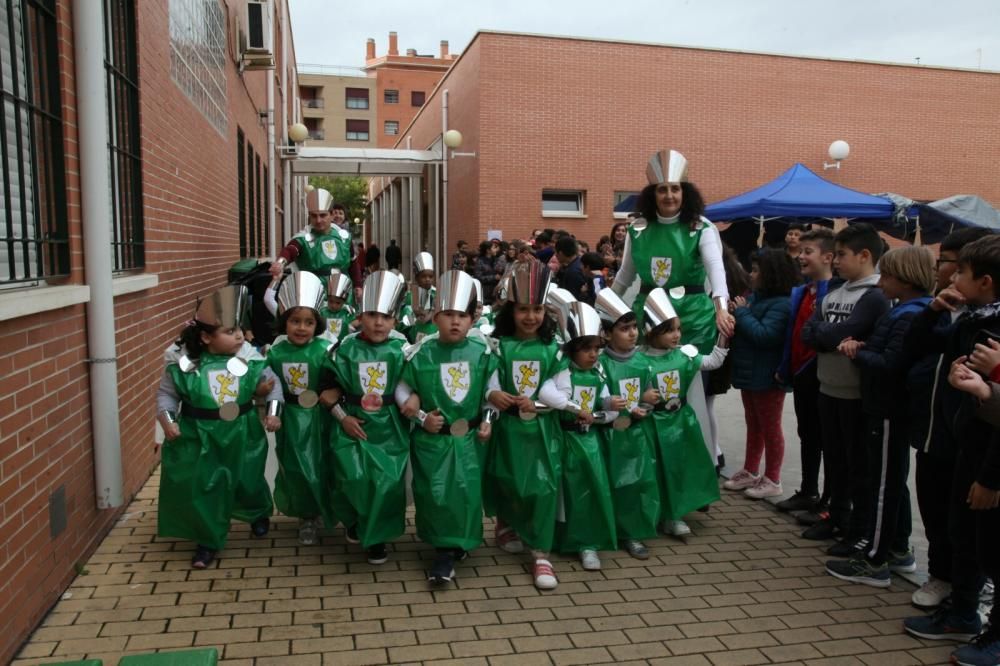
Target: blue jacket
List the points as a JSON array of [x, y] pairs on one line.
[[798, 293], [757, 346]]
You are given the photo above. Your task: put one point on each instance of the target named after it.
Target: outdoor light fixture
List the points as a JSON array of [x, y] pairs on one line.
[[839, 150], [309, 188], [298, 132], [453, 139]]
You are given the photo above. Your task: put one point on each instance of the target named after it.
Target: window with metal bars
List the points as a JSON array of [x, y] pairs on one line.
[[241, 189], [120, 56], [251, 209], [34, 237]]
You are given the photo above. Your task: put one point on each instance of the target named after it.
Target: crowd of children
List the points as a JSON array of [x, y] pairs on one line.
[[551, 417]]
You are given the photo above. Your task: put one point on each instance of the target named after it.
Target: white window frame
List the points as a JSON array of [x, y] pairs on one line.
[[580, 196]]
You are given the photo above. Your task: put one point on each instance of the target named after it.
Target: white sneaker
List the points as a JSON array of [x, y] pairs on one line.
[[677, 528], [590, 560], [741, 481], [545, 577], [308, 532], [764, 488], [932, 593]]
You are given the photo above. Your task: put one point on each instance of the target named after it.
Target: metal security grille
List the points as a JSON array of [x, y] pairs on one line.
[[251, 208], [34, 240], [241, 188], [128, 248]]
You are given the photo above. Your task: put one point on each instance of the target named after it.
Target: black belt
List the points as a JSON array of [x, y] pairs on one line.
[[210, 414], [446, 428], [672, 405], [291, 399], [573, 426], [352, 399], [688, 289]]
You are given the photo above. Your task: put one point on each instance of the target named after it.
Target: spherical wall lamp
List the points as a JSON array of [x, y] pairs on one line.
[[453, 138], [298, 132], [838, 150]]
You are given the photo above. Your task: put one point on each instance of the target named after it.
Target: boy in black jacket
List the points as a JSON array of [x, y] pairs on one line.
[[906, 276], [975, 284]]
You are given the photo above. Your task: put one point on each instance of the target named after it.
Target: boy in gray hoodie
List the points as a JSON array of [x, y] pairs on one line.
[[850, 311]]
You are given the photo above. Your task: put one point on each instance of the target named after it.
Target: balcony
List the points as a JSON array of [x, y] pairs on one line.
[[317, 135], [316, 103]]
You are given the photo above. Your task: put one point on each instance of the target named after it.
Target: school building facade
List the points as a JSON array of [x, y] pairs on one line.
[[141, 157], [557, 130]]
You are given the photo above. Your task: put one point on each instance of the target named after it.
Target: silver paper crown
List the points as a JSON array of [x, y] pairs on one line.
[[423, 262], [301, 289], [319, 199], [610, 307], [666, 166], [226, 307], [338, 285], [582, 321], [657, 309], [456, 291], [383, 293], [479, 291], [557, 302], [529, 282]]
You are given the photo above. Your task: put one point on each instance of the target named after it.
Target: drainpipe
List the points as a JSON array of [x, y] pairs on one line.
[[442, 250], [286, 165], [272, 176], [95, 194]]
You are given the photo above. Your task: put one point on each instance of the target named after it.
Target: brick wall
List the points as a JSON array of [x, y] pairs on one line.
[[192, 237], [586, 115]]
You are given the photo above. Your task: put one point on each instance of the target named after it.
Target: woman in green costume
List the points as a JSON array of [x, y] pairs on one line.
[[581, 394], [215, 449], [445, 375], [298, 358], [371, 448], [628, 450], [687, 471], [524, 468]]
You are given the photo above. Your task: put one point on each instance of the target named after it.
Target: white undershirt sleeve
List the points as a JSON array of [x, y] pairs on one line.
[[556, 390], [710, 249], [714, 360], [402, 393]]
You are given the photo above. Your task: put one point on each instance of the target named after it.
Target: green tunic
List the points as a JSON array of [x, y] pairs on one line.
[[215, 470], [301, 488], [589, 520], [338, 324], [324, 252], [686, 470], [524, 467], [370, 475], [417, 332], [447, 473], [630, 454], [667, 255]]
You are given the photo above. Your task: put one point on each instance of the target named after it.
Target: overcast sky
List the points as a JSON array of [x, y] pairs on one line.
[[959, 33]]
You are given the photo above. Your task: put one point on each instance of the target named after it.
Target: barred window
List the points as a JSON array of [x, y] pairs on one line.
[[241, 189], [198, 56], [34, 239], [251, 188], [127, 246]]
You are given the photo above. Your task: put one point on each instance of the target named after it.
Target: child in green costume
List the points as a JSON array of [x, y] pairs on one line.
[[588, 521], [371, 448], [524, 468], [418, 307], [297, 358], [628, 450], [687, 471], [215, 448], [446, 374], [338, 314]]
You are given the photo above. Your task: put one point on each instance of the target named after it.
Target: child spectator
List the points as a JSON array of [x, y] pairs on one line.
[[215, 450], [850, 311], [592, 266], [447, 374], [976, 479], [906, 275], [798, 364], [756, 349], [793, 239], [935, 457]]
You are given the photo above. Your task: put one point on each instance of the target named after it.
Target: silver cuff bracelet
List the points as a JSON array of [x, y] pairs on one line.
[[338, 412], [274, 407]]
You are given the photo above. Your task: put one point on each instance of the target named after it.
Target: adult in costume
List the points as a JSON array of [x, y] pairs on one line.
[[323, 245]]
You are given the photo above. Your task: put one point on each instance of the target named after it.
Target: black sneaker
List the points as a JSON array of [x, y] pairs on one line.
[[860, 570], [377, 554], [203, 557], [443, 568], [351, 534], [260, 527], [798, 502], [944, 625], [824, 530], [720, 463], [847, 548]]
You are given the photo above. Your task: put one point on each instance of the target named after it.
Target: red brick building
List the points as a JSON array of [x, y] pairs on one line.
[[193, 185], [562, 127]]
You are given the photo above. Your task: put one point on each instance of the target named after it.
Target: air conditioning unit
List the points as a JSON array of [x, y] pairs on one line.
[[258, 34]]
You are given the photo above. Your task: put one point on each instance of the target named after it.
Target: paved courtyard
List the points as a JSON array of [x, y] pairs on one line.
[[745, 589]]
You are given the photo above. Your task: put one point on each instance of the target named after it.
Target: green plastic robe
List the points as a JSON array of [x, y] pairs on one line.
[[589, 520], [370, 474], [301, 489], [447, 471], [418, 331], [524, 465], [629, 453], [214, 471], [324, 252], [667, 255], [338, 324], [687, 472]]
